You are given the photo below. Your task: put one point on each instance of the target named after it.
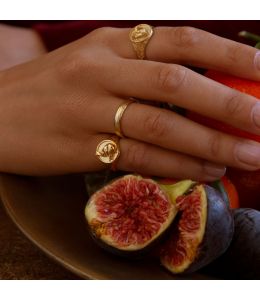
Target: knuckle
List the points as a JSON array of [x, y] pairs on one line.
[[102, 31], [214, 145], [74, 65], [171, 77], [70, 66], [101, 35], [235, 53], [234, 104], [136, 157], [185, 36], [155, 125]]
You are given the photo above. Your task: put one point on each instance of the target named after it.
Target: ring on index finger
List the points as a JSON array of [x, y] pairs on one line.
[[140, 36]]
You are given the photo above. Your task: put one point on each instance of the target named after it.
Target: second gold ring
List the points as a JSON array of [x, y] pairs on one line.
[[118, 116]]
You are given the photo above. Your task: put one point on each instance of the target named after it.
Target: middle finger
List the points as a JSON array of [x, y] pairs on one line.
[[171, 131], [183, 87]]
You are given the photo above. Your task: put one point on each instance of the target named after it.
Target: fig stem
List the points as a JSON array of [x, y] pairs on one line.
[[257, 46], [249, 35]]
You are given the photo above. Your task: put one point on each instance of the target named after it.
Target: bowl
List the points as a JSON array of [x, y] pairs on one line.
[[50, 212]]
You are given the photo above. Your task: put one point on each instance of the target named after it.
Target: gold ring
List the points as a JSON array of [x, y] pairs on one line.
[[108, 150], [118, 116], [140, 36]]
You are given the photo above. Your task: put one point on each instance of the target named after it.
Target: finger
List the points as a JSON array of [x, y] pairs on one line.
[[185, 88], [173, 132], [186, 45], [151, 160], [154, 161]]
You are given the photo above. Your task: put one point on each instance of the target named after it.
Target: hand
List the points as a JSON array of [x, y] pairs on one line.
[[56, 109], [18, 45]]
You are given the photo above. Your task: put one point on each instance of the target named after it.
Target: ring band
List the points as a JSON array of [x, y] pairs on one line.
[[118, 116], [108, 150], [140, 36]]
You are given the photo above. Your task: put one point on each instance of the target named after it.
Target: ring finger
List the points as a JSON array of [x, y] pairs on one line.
[[151, 160], [180, 86], [171, 131]]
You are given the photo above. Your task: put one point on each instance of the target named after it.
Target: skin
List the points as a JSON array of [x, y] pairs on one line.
[[13, 39], [56, 109]]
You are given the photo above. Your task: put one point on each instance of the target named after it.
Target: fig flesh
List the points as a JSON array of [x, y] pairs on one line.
[[203, 231], [129, 214]]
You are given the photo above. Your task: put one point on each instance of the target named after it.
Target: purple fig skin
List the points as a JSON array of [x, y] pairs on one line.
[[218, 232], [245, 248], [132, 255], [242, 259]]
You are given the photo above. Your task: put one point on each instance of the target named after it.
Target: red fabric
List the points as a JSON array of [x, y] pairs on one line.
[[56, 34]]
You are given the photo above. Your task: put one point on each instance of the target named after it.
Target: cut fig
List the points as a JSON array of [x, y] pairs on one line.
[[203, 231], [129, 214]]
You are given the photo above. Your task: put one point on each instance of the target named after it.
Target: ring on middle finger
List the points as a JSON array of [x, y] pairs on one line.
[[118, 116]]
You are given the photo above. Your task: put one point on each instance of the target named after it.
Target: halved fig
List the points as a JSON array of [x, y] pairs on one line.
[[203, 231], [131, 213]]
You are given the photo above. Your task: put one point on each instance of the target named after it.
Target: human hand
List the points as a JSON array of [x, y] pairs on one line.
[[18, 45], [55, 110]]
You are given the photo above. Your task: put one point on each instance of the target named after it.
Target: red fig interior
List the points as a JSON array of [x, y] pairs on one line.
[[181, 248], [130, 213]]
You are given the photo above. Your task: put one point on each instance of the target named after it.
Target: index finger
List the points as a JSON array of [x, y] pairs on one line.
[[195, 47]]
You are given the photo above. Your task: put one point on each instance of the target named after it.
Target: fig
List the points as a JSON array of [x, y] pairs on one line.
[[131, 213], [242, 259], [203, 230], [94, 181], [228, 191]]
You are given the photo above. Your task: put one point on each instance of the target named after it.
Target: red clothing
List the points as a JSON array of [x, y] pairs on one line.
[[56, 34]]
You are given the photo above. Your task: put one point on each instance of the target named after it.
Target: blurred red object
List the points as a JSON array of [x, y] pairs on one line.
[[58, 33], [246, 182]]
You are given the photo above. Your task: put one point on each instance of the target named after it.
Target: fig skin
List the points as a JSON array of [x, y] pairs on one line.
[[242, 259], [150, 250], [218, 232]]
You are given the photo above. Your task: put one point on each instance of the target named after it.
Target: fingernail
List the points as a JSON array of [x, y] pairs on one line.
[[257, 60], [256, 114], [214, 171], [249, 153]]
